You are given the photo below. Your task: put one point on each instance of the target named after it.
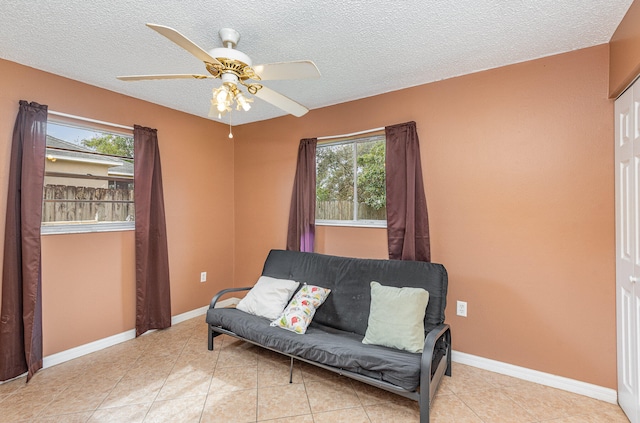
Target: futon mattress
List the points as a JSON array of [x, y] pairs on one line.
[[322, 344]]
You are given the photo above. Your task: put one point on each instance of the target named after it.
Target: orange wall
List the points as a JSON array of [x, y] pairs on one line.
[[518, 171], [352, 242], [83, 299], [89, 279], [624, 64]]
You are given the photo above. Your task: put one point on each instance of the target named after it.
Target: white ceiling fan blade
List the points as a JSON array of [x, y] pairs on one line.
[[184, 42], [168, 76], [282, 102], [303, 69]]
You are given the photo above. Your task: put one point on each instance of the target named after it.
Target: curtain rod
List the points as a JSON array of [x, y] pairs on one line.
[[353, 134], [100, 122]]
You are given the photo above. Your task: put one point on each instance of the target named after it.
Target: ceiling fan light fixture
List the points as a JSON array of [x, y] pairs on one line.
[[213, 110], [243, 102], [221, 94], [221, 101], [224, 97]]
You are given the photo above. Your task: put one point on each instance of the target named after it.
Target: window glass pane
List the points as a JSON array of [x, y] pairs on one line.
[[372, 198], [88, 176], [334, 182], [350, 181]]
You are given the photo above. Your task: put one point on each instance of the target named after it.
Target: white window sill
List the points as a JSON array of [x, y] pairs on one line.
[[381, 224], [85, 228]]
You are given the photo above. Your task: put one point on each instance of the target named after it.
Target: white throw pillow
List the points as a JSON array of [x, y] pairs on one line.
[[268, 297], [396, 317]]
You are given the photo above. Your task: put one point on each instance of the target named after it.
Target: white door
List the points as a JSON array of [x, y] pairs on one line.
[[627, 185]]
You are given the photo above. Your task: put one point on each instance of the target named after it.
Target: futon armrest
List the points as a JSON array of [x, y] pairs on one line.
[[433, 336], [442, 330], [216, 297], [428, 383]]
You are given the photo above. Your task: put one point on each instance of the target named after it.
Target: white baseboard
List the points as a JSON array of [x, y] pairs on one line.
[[189, 315], [547, 379], [79, 351], [100, 344]]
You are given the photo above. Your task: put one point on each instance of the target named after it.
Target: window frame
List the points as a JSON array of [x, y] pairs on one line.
[[78, 227], [358, 223]]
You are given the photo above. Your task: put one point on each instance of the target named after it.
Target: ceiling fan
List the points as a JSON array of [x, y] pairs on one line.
[[235, 68]]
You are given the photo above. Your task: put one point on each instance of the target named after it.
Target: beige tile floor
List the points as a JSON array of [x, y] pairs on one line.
[[170, 376]]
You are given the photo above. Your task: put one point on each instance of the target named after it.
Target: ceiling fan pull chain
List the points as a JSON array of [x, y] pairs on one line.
[[230, 133]]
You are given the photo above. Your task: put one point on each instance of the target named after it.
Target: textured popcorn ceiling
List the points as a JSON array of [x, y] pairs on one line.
[[362, 48]]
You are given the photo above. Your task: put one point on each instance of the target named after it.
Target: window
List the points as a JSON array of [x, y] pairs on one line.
[[88, 183], [350, 182]]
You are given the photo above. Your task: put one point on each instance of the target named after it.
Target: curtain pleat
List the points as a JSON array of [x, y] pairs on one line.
[[407, 219], [153, 298], [302, 215], [21, 312]]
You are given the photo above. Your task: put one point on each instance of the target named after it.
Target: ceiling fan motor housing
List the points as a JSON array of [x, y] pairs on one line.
[[233, 61], [229, 78], [232, 54], [229, 35]]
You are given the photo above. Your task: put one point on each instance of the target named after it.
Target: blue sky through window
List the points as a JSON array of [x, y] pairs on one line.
[[70, 134]]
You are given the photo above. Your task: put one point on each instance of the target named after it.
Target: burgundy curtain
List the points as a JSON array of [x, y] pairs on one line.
[[407, 220], [21, 315], [153, 299], [302, 215]]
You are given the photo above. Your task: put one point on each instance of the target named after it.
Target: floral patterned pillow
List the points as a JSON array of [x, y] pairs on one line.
[[301, 309]]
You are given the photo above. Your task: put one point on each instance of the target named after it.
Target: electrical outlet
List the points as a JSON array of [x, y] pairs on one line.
[[203, 276], [461, 309]]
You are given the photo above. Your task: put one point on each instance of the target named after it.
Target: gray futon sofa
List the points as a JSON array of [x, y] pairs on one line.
[[333, 341]]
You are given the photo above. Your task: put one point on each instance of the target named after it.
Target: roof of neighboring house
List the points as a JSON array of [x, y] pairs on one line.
[[125, 169], [83, 154]]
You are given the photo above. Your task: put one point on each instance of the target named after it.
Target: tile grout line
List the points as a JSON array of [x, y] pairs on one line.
[[92, 411], [213, 371], [115, 384], [167, 378], [537, 419], [351, 382], [469, 407], [257, 387], [306, 394]]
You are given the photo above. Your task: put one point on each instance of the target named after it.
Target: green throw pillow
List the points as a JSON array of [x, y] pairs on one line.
[[396, 317]]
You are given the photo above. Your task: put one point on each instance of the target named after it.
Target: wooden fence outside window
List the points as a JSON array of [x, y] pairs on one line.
[[64, 203], [343, 210]]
